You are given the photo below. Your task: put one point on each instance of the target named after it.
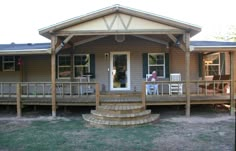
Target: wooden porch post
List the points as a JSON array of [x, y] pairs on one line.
[[144, 95], [187, 75], [97, 95], [18, 100], [53, 73], [232, 101]]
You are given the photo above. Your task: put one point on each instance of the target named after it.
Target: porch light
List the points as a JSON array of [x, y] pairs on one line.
[[120, 38]]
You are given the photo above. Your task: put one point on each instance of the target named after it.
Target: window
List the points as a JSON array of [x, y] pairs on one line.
[[156, 61], [8, 63], [64, 66], [81, 64], [212, 64]]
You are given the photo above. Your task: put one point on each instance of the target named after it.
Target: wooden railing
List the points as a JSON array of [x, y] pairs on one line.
[[43, 89], [219, 87]]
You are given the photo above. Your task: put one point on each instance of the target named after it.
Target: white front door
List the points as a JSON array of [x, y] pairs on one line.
[[120, 71]]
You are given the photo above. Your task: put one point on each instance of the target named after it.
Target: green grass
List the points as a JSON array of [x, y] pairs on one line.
[[76, 134]]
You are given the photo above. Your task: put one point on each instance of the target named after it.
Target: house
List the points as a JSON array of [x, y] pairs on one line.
[[110, 51]]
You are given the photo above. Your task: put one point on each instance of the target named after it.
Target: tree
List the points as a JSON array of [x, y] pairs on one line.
[[230, 35]]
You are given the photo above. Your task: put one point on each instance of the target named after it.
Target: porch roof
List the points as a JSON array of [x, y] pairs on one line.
[[165, 21], [29, 48], [212, 46], [44, 48]]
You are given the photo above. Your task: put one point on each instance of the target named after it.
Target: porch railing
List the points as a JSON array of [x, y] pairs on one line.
[[43, 89], [217, 87]]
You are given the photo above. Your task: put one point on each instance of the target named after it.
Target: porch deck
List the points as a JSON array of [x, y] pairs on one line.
[[89, 94], [90, 100]]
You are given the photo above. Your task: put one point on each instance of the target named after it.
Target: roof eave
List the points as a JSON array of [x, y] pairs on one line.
[[212, 48], [25, 52]]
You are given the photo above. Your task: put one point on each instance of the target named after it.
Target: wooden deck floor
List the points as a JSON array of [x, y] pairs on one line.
[[89, 100]]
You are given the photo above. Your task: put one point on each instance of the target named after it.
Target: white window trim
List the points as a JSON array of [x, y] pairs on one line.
[[219, 67], [164, 65], [58, 67], [79, 65], [3, 63]]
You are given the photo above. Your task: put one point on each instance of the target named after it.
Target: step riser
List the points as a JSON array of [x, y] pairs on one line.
[[89, 118], [121, 118], [120, 111]]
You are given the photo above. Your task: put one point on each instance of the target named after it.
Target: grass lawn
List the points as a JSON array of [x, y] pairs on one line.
[[215, 132]]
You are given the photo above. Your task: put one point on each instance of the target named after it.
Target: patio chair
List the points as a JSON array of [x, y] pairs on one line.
[[215, 85], [175, 87], [152, 87]]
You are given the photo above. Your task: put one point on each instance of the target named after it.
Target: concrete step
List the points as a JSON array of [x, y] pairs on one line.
[[120, 117], [120, 109], [93, 120]]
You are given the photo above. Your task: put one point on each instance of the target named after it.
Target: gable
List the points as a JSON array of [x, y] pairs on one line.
[[121, 22]]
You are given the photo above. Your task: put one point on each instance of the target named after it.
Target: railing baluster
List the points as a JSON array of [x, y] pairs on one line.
[[162, 89], [43, 89], [27, 89], [1, 90]]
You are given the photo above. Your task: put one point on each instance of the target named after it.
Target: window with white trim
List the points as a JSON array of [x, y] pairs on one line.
[[8, 63], [81, 64], [156, 61], [212, 64], [64, 66]]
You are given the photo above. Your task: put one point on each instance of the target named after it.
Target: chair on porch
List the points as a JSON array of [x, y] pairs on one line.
[[219, 84], [151, 88], [175, 87]]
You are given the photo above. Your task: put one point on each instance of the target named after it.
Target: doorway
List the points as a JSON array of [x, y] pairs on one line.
[[120, 71]]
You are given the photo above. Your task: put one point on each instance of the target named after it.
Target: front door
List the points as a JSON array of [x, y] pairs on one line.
[[120, 71]]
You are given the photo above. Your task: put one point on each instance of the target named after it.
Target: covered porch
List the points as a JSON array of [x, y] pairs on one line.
[[127, 27], [103, 58]]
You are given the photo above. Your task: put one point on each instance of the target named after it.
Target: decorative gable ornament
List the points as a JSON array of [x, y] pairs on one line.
[[120, 38]]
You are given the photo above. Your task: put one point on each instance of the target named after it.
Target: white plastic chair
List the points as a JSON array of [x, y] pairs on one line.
[[151, 86], [175, 87]]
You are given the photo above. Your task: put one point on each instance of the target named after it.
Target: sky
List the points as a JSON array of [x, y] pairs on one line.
[[22, 19]]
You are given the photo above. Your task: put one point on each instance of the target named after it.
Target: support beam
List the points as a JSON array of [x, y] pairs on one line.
[[175, 40], [97, 95], [153, 40], [18, 100], [53, 74], [63, 43], [121, 32], [88, 40], [187, 74], [144, 95], [232, 101]]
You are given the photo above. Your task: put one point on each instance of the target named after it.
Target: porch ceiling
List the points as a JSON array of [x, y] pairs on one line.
[[161, 39]]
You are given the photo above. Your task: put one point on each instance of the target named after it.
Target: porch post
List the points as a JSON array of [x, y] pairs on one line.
[[232, 89], [53, 73], [187, 75], [144, 95], [18, 100]]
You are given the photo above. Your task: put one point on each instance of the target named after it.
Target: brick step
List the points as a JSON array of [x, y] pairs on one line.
[[93, 120], [120, 109], [121, 99], [121, 117]]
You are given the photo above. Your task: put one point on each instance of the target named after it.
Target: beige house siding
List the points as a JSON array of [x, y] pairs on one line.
[[37, 68], [9, 76], [136, 47]]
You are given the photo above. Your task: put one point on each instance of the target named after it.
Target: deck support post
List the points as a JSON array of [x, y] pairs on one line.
[[232, 89], [187, 75], [144, 95], [53, 73], [18, 100], [97, 95]]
